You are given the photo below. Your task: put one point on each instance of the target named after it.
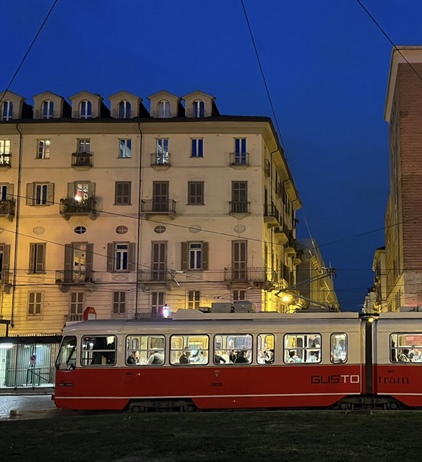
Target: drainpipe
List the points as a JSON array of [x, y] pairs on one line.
[[139, 221], [17, 214]]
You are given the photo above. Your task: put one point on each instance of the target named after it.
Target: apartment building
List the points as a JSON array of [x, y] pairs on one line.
[[138, 212], [403, 220]]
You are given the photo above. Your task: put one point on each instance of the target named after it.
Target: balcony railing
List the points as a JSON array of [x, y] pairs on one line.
[[271, 215], [239, 207], [239, 159], [158, 276], [5, 160], [282, 234], [77, 278], [159, 207], [250, 275], [7, 209], [160, 159], [70, 206], [81, 159]]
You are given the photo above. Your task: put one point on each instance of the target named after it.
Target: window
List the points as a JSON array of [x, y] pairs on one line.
[[162, 151], [4, 262], [125, 148], [43, 151], [197, 147], [5, 153], [239, 295], [338, 348], [195, 193], [119, 302], [189, 350], [67, 353], [145, 350], [159, 261], [239, 202], [163, 109], [7, 113], [194, 256], [83, 146], [233, 349], [157, 304], [239, 260], [160, 199], [240, 151], [81, 191], [122, 193], [78, 263], [76, 309], [47, 109], [98, 350], [124, 110], [406, 347], [40, 194], [120, 257], [302, 348], [35, 303], [85, 109], [265, 353], [37, 255], [194, 299], [198, 109]]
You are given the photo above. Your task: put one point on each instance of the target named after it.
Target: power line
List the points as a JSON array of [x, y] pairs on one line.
[[29, 49], [262, 73]]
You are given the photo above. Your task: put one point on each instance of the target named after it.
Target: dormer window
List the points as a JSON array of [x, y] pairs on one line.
[[164, 109], [85, 109], [47, 109], [7, 112], [198, 109], [124, 110]]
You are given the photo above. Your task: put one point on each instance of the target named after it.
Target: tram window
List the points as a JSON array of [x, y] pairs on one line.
[[145, 350], [338, 348], [302, 348], [265, 349], [233, 348], [98, 350], [66, 359], [406, 348], [189, 349]]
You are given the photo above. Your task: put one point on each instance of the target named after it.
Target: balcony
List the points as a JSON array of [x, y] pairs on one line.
[[69, 278], [261, 278], [157, 279], [291, 246], [272, 216], [71, 207], [158, 207], [281, 233], [239, 159], [160, 161], [5, 160], [82, 159], [239, 208], [7, 209]]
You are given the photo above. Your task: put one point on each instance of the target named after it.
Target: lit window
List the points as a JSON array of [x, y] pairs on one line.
[[198, 109], [43, 151], [164, 109]]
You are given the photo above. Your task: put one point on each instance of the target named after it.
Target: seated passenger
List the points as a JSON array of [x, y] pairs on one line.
[[184, 357], [269, 356], [233, 356], [241, 357], [218, 358], [313, 358], [404, 356], [157, 357], [293, 358], [133, 358]]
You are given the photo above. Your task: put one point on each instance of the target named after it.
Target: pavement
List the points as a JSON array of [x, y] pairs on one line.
[[27, 404]]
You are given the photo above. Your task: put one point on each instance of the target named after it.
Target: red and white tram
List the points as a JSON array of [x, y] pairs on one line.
[[242, 361]]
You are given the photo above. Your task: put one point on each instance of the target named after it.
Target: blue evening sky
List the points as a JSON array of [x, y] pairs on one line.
[[326, 65]]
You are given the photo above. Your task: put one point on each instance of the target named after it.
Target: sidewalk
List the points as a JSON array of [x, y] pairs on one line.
[[26, 391]]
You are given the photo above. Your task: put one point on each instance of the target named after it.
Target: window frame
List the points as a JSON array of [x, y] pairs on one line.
[[7, 111], [125, 148], [85, 109], [37, 257], [190, 342], [226, 344], [119, 303], [47, 109], [154, 343], [43, 148], [35, 304], [193, 299], [196, 192], [197, 147], [124, 197]]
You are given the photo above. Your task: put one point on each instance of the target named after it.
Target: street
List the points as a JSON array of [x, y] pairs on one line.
[[24, 403]]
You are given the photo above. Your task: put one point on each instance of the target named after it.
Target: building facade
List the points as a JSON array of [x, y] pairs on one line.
[[133, 211], [403, 220]]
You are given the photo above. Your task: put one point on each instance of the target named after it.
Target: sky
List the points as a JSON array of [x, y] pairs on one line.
[[325, 64]]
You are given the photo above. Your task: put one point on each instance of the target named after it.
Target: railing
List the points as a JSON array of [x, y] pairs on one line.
[[158, 207], [249, 274], [272, 214], [160, 159], [239, 207], [70, 206], [5, 160], [81, 159], [71, 277], [239, 159], [197, 113], [7, 209], [154, 276]]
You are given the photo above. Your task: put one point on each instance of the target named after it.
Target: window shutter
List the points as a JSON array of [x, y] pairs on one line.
[[205, 256], [30, 194], [31, 257], [40, 258], [110, 257], [6, 257], [91, 189], [10, 191], [89, 258], [68, 262], [50, 194], [132, 258], [185, 256], [71, 189]]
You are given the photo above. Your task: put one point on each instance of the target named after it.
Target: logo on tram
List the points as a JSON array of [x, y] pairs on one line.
[[339, 378]]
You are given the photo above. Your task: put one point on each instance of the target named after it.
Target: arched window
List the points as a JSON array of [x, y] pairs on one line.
[[7, 113], [124, 110], [198, 109], [86, 109], [47, 109], [164, 109]]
